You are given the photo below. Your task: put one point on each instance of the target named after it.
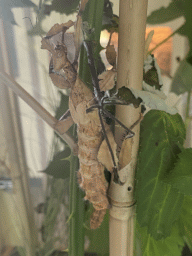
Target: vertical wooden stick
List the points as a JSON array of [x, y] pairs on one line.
[[132, 22]]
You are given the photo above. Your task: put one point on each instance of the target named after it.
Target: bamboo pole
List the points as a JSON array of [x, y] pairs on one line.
[[132, 23]]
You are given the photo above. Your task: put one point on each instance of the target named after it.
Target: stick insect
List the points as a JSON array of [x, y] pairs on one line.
[[86, 109]]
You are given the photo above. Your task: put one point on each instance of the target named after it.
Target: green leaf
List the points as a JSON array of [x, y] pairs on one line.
[[111, 25], [59, 167], [99, 238], [63, 106], [158, 204], [170, 246], [176, 9], [151, 78], [182, 81], [92, 14], [180, 176], [186, 8], [65, 6], [152, 73], [127, 96], [185, 221], [19, 3], [107, 12], [185, 30], [165, 14]]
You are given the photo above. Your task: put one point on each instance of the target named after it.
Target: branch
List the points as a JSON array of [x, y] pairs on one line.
[[42, 112]]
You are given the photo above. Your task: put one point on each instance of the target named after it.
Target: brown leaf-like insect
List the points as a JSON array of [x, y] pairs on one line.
[[90, 136], [91, 172], [86, 110], [61, 70]]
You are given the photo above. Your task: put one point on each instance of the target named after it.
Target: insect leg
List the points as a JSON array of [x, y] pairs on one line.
[[66, 115], [115, 119], [112, 117], [115, 169], [98, 96]]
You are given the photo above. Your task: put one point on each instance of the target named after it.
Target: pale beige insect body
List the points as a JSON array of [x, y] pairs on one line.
[[91, 172]]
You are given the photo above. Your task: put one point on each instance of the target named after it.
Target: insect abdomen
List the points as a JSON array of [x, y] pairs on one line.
[[91, 173]]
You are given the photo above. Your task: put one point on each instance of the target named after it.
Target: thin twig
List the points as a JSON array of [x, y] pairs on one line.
[[42, 112], [187, 117]]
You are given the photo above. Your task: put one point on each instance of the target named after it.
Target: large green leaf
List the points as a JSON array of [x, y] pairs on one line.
[[63, 106], [186, 7], [170, 246], [180, 176], [185, 221], [59, 167], [158, 204], [165, 14], [175, 9], [182, 81], [99, 238]]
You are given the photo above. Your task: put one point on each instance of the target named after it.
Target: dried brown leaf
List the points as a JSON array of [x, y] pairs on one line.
[[80, 93], [125, 153], [79, 102], [60, 64], [45, 44], [60, 58], [78, 36], [57, 28], [63, 125], [107, 80], [104, 156], [82, 5], [59, 81], [111, 55]]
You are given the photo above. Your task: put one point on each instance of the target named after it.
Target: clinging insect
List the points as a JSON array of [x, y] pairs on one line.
[[86, 109]]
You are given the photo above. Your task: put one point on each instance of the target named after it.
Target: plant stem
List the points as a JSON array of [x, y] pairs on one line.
[[76, 205], [93, 15], [187, 117]]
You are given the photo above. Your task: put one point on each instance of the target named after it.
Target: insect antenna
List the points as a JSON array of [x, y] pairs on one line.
[[115, 119]]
